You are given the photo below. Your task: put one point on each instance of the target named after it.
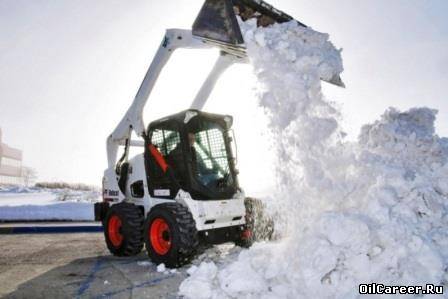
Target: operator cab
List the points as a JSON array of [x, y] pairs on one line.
[[191, 150]]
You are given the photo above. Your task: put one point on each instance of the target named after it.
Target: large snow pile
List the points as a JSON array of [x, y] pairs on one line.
[[370, 211]]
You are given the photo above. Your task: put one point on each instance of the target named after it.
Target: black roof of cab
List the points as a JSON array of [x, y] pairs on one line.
[[183, 118]]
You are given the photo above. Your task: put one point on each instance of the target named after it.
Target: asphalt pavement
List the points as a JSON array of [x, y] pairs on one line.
[[78, 265]]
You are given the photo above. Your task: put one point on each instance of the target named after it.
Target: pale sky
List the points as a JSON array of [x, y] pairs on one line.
[[70, 69]]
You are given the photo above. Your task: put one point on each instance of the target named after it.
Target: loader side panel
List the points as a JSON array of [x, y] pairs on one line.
[[213, 214]]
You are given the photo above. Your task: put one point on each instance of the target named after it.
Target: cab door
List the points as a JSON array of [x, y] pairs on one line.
[[167, 149]]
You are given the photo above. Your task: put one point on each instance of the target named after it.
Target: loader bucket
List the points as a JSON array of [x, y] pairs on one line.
[[217, 23], [217, 19]]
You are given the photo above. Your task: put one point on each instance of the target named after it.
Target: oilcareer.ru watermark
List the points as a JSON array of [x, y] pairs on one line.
[[378, 288]]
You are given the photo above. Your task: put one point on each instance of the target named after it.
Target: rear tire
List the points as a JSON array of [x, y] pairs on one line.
[[123, 229], [258, 226], [170, 235]]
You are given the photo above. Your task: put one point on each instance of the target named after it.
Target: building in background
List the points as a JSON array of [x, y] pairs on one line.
[[11, 171]]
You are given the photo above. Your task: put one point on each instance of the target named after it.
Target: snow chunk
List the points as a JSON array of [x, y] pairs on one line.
[[161, 267]]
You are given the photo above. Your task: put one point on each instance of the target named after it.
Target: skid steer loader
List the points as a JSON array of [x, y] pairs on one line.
[[183, 189]]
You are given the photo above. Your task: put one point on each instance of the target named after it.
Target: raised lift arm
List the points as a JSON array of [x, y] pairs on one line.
[[133, 119]]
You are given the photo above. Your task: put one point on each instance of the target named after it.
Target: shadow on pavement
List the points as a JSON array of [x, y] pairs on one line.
[[102, 277]]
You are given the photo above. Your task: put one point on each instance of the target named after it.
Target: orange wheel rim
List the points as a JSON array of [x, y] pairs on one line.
[[160, 236], [114, 230], [246, 234]]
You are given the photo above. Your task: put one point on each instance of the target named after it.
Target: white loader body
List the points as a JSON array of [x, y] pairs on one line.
[[208, 214], [223, 212]]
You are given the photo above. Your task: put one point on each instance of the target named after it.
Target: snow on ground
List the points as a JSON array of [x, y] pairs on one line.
[[22, 203], [375, 210]]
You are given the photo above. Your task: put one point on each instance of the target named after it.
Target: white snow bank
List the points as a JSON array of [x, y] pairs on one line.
[[21, 203], [371, 211]]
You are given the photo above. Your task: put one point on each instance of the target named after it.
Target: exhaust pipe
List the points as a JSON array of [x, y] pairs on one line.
[[217, 24]]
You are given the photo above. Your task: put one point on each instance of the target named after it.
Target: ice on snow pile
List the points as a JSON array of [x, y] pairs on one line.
[[370, 211]]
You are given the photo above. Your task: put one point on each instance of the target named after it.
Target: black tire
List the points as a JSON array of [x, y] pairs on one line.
[[258, 225], [131, 229], [181, 235]]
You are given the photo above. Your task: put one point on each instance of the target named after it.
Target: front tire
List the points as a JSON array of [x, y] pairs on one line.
[[123, 229], [170, 235]]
